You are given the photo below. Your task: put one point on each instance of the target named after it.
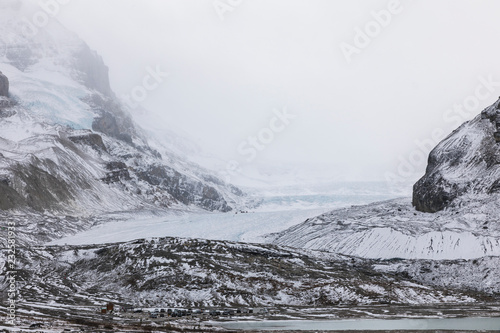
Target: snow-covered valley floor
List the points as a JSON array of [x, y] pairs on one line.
[[248, 227], [277, 213]]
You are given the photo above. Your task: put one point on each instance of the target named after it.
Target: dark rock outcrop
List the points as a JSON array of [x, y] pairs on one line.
[[93, 73], [111, 119], [466, 163], [117, 171], [433, 193], [109, 124], [32, 187], [9, 198], [183, 189], [91, 139], [4, 85]]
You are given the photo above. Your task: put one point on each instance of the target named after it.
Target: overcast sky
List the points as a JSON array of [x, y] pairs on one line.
[[360, 99]]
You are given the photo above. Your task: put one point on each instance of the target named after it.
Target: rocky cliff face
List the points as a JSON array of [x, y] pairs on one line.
[[92, 70], [464, 166]]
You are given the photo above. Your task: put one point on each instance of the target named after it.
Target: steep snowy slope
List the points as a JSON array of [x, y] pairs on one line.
[[68, 145]]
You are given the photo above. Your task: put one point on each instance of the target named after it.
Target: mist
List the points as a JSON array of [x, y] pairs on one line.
[[369, 87]]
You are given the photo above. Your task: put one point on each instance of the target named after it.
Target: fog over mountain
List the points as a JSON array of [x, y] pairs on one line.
[[358, 113]]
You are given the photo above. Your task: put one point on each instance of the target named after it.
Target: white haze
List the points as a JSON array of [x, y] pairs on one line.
[[353, 120]]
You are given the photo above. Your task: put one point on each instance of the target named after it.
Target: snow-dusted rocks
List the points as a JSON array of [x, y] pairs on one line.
[[174, 272], [55, 168]]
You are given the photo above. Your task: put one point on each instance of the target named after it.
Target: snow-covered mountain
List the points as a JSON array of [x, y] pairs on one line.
[[72, 157], [464, 167], [67, 144], [454, 211]]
